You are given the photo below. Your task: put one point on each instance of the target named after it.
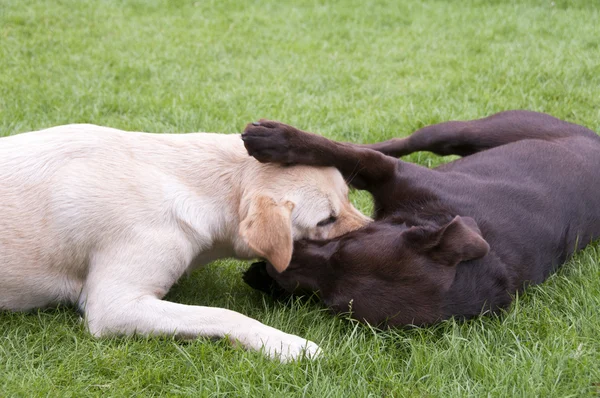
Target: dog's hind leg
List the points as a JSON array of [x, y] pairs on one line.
[[123, 292], [467, 137]]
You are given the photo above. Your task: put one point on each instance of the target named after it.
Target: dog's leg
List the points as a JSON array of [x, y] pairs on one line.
[[467, 137], [123, 294], [270, 141]]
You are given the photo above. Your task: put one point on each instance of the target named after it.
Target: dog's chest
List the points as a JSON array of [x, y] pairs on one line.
[[215, 252]]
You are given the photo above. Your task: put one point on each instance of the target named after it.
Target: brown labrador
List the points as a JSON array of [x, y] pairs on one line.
[[457, 240]]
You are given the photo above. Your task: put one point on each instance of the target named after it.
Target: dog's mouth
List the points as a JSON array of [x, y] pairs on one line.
[[258, 278]]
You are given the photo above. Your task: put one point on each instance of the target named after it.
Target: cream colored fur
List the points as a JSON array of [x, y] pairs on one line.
[[108, 220]]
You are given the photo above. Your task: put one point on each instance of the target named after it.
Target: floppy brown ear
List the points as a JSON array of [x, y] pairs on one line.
[[267, 229], [459, 240]]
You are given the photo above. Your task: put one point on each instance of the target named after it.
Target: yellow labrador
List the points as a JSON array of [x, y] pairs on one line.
[[109, 220]]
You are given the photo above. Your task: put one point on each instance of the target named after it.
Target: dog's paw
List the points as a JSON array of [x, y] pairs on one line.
[[288, 348], [272, 342], [272, 142]]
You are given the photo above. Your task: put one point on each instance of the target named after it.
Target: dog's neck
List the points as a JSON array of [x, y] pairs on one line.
[[231, 182]]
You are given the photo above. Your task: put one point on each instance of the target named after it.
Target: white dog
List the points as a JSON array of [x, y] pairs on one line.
[[109, 220]]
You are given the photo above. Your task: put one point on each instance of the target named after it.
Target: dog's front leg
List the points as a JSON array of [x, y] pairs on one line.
[[122, 297], [270, 141], [147, 315]]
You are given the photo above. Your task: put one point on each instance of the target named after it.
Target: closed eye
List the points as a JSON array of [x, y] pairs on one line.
[[327, 221]]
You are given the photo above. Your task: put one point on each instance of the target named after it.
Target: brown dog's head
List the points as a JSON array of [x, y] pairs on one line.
[[385, 273]]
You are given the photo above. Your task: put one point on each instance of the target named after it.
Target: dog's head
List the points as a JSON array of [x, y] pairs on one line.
[[385, 273], [293, 203]]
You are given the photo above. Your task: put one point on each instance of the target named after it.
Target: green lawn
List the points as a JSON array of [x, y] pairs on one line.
[[352, 70]]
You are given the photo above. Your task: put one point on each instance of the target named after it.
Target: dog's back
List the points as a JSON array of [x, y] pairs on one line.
[[69, 189], [33, 269], [535, 201]]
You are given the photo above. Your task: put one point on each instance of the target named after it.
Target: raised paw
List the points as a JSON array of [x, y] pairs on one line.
[[273, 142]]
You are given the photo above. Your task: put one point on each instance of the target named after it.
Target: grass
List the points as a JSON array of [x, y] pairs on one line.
[[352, 70]]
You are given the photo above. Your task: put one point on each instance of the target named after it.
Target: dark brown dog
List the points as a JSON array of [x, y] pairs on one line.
[[451, 241]]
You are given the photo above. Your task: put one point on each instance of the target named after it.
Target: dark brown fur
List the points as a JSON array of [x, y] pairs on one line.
[[451, 241]]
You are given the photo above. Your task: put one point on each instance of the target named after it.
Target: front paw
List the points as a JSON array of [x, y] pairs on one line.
[[288, 347], [272, 142]]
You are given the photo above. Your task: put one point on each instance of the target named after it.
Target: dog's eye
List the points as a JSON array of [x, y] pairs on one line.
[[327, 221]]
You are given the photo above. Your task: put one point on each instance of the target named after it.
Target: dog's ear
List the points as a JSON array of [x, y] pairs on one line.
[[267, 229], [459, 240]]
